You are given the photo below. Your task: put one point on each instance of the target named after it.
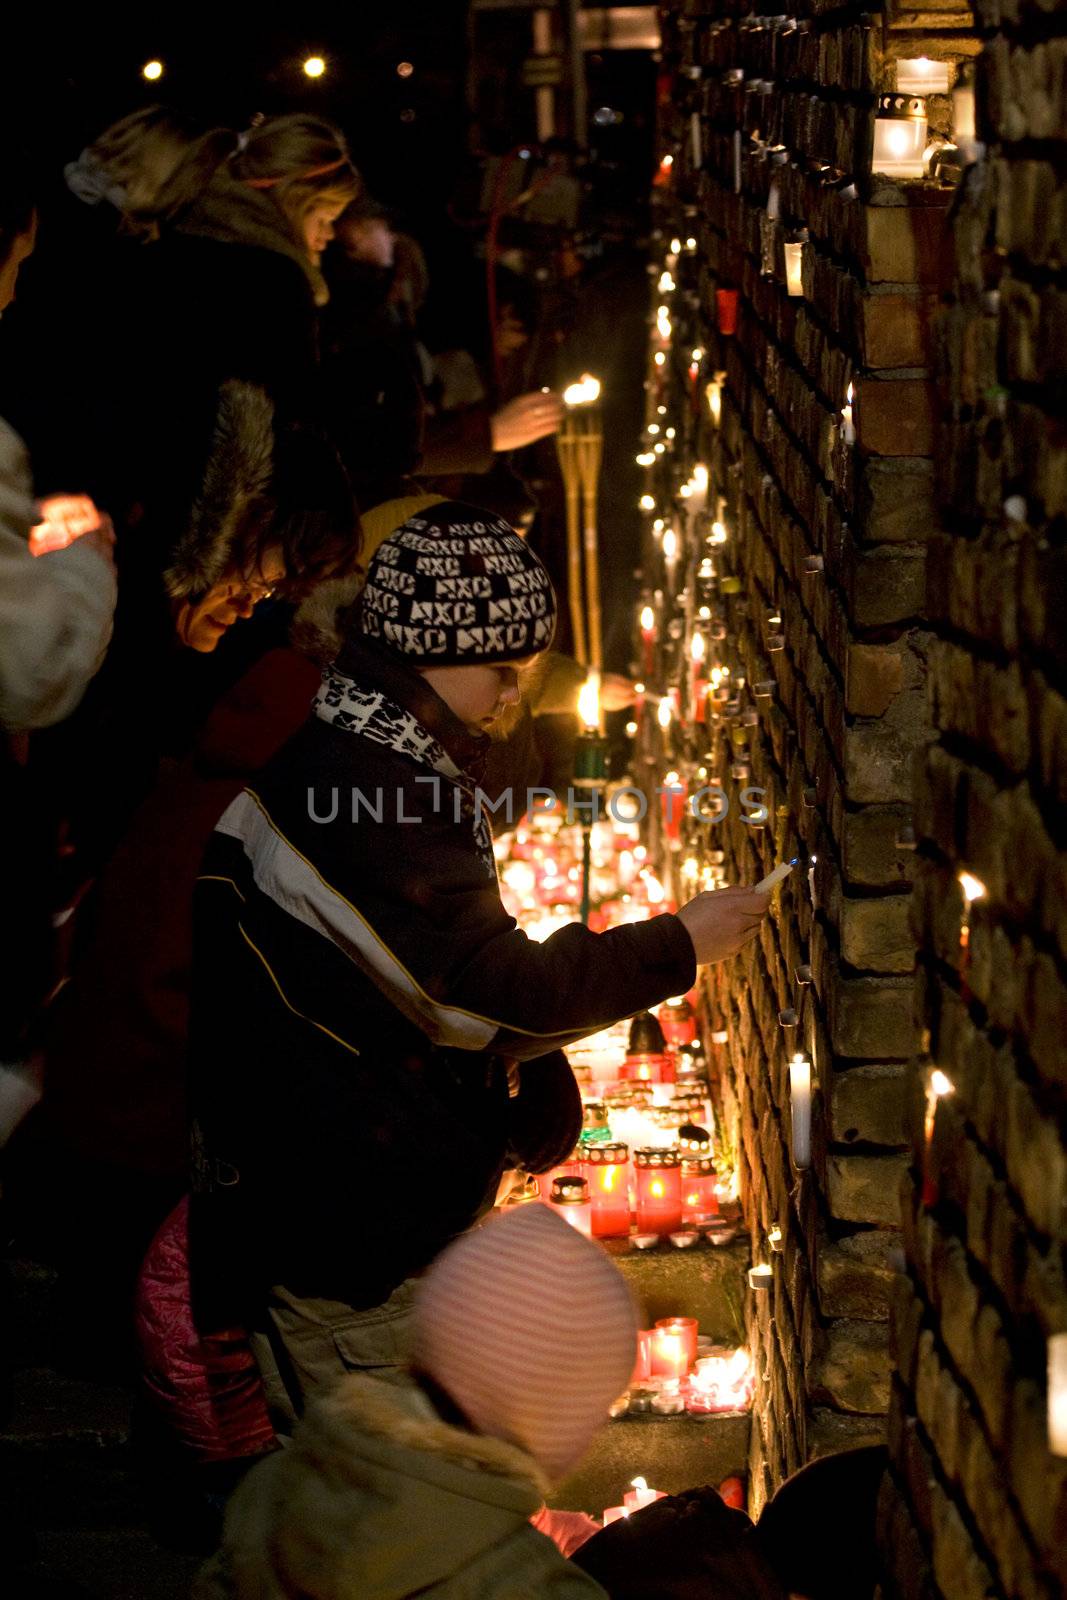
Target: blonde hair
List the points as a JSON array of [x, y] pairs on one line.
[[162, 161], [300, 162]]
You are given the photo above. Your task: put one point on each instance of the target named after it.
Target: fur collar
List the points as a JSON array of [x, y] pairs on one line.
[[404, 1417], [235, 489]]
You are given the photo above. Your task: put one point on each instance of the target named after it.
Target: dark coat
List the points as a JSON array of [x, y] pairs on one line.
[[358, 990]]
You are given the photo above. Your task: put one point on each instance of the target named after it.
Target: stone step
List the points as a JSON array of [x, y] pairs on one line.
[[670, 1453], [706, 1281]]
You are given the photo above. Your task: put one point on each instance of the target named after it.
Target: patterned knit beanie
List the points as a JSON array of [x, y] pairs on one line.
[[530, 1329], [453, 586]]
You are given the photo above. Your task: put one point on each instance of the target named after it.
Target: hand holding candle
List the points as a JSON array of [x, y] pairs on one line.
[[721, 922]]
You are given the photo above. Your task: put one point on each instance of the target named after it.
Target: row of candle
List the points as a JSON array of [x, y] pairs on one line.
[[660, 1190]]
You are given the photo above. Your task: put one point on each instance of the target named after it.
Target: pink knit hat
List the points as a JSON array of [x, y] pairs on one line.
[[531, 1330]]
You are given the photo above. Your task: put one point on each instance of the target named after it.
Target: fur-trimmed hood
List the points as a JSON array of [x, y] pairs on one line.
[[376, 1498], [234, 492]]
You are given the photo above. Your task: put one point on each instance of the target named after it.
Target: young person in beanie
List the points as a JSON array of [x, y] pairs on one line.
[[365, 1014], [524, 1333]]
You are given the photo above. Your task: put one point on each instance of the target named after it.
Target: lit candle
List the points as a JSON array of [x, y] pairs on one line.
[[614, 1514], [605, 1170], [698, 1188], [670, 555], [794, 267], [683, 1328], [698, 685], [899, 136], [648, 639], [920, 75], [938, 1086], [848, 431], [640, 1495], [760, 1277], [800, 1110], [1057, 1394], [658, 1183], [64, 518], [673, 798], [670, 1354], [713, 393]]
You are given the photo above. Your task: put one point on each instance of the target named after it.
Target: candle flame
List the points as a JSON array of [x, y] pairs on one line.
[[647, 503], [973, 888], [670, 544], [940, 1084], [664, 712], [638, 1483], [698, 647]]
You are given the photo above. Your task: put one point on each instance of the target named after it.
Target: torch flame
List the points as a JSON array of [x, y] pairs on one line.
[[583, 393], [589, 701]]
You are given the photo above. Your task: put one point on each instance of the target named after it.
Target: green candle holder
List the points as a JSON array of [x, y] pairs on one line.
[[590, 760]]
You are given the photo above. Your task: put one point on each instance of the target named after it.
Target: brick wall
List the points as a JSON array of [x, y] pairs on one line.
[[978, 1504], [815, 602]]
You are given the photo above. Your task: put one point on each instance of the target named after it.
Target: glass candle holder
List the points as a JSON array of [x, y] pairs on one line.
[[686, 1329], [698, 1188], [678, 1021], [571, 1168], [657, 1068], [570, 1197], [900, 130], [658, 1182], [670, 1353], [643, 1361], [605, 1169]]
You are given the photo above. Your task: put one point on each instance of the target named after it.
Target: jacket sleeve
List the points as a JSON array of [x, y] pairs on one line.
[[55, 610], [415, 907]]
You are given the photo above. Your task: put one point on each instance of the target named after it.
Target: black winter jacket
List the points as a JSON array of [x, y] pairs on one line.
[[358, 990]]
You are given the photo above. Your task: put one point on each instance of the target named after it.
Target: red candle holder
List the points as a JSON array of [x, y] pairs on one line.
[[643, 1363], [686, 1329], [726, 303], [658, 1184], [698, 1188], [566, 1169], [678, 1022], [648, 1068], [605, 1171]]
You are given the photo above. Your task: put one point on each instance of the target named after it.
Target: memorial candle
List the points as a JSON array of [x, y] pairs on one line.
[[686, 1329], [605, 1171], [658, 1181], [698, 1188], [639, 1495], [670, 1353]]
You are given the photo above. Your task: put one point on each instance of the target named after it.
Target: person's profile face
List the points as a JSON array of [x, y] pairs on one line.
[[485, 696]]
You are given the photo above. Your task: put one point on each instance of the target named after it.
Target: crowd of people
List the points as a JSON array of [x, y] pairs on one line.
[[257, 550]]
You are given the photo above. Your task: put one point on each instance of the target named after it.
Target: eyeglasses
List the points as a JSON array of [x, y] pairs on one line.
[[250, 590]]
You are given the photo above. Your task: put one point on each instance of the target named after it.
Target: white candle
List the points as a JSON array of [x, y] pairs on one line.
[[761, 1276], [773, 879], [639, 1495], [794, 268], [920, 75], [1057, 1394], [800, 1108]]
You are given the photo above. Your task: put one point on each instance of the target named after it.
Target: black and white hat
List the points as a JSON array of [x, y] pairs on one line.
[[456, 585]]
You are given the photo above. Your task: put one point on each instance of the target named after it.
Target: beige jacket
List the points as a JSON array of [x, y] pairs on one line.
[[377, 1499]]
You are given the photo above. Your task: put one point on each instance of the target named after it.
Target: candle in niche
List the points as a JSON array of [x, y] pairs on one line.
[[670, 1357], [800, 1110], [848, 431], [606, 1169], [900, 130], [684, 1328], [760, 1277], [920, 75], [639, 1495], [794, 266], [658, 1185], [1057, 1394]]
